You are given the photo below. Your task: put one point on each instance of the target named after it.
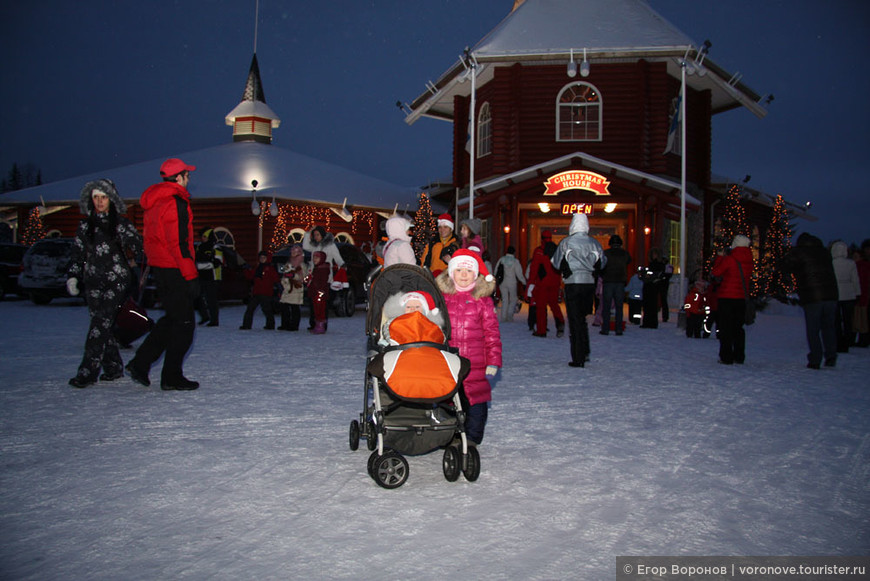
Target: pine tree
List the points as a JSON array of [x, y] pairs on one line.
[[732, 223], [425, 226], [34, 229], [279, 234], [772, 281]]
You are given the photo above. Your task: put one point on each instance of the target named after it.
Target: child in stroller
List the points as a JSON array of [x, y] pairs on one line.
[[411, 403]]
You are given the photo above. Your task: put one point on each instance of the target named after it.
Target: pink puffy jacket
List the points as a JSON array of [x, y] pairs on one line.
[[474, 331]]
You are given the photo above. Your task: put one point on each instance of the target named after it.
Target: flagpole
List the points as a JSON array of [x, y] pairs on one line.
[[472, 124], [683, 152]]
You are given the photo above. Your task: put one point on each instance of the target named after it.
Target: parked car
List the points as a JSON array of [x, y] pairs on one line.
[[44, 268], [233, 285], [358, 266], [11, 257]]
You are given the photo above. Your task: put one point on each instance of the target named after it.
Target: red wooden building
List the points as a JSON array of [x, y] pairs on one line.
[[591, 88]]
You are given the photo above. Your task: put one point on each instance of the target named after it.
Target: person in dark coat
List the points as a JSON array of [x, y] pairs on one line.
[[263, 278], [813, 269], [734, 271], [208, 265], [613, 277], [104, 243], [655, 290]]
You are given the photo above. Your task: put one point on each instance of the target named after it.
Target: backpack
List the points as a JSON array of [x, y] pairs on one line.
[[499, 273]]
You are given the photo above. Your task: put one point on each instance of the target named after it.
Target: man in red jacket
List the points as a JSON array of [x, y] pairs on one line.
[[169, 250], [734, 271]]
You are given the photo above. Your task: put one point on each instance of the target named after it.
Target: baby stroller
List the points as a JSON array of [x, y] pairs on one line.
[[411, 402]]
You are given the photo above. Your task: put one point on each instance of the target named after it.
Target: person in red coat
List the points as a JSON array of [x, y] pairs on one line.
[[318, 291], [264, 279], [733, 270], [544, 284], [695, 305], [168, 225], [467, 287]]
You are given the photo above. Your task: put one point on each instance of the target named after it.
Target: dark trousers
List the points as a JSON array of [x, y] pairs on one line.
[[650, 305], [578, 303], [845, 334], [290, 316], [172, 336], [475, 418], [634, 311], [695, 325], [612, 292], [208, 298], [820, 321], [732, 337], [101, 347], [265, 302]]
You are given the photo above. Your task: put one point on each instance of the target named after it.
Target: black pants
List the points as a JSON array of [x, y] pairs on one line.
[[208, 298], [732, 337], [578, 303], [845, 334], [290, 316], [172, 336], [650, 305], [265, 302]]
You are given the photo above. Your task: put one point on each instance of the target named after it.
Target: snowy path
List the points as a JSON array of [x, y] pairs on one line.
[[653, 449]]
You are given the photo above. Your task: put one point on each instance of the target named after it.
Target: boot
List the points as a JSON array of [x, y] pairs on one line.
[[319, 328], [560, 328]]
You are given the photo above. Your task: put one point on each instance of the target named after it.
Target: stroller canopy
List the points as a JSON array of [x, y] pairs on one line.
[[401, 278]]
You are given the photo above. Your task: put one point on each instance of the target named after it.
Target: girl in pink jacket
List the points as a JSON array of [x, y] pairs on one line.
[[467, 287]]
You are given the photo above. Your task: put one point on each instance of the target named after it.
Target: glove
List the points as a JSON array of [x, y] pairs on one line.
[[193, 288], [335, 285], [72, 286], [491, 370], [530, 290]]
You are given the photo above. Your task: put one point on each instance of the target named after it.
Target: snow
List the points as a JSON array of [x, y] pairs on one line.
[[652, 449]]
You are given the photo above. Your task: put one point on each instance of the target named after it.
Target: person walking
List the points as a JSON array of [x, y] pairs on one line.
[[168, 228], [849, 289], [734, 270], [544, 285], [263, 280], [582, 256], [104, 244], [813, 269], [208, 265], [613, 276], [512, 274]]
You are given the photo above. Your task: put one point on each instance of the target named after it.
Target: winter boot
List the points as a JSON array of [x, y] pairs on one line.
[[319, 328], [560, 328]]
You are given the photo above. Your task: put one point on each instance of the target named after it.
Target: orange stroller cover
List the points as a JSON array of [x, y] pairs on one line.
[[420, 369]]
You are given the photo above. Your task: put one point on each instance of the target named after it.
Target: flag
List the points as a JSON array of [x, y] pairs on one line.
[[674, 145]]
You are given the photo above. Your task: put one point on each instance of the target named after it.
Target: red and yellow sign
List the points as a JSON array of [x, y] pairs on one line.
[[577, 208], [577, 180]]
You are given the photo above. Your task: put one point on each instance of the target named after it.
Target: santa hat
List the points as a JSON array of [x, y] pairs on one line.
[[425, 299], [465, 258], [446, 220]]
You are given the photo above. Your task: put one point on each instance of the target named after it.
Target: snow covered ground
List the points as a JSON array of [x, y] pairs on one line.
[[652, 449]]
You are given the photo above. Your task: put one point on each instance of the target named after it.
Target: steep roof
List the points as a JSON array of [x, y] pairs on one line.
[[547, 31], [253, 103], [225, 172]]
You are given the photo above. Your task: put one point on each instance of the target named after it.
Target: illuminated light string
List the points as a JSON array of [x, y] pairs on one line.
[[307, 217], [34, 229]]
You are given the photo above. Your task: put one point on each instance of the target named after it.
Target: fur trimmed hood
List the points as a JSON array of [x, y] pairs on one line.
[[107, 186], [482, 287]]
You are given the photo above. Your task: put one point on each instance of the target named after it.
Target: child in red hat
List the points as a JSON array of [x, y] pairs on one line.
[[467, 287]]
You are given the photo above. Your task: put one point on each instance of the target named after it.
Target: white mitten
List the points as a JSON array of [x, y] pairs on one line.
[[72, 286], [335, 285], [530, 290], [491, 370]]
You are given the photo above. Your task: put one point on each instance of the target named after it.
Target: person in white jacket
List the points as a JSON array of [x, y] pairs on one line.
[[513, 274], [318, 239], [398, 249]]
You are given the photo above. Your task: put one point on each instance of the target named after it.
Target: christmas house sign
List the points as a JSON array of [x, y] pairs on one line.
[[577, 180]]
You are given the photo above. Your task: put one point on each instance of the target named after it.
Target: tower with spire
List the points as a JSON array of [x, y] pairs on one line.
[[252, 119]]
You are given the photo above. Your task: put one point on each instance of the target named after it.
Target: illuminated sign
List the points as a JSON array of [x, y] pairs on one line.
[[577, 180], [577, 208]]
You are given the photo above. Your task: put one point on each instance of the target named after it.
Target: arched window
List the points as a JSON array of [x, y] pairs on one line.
[[224, 237], [344, 237], [484, 131], [578, 113], [295, 236]]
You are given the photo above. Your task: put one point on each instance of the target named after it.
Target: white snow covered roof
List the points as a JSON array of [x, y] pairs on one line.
[[546, 32], [225, 172]]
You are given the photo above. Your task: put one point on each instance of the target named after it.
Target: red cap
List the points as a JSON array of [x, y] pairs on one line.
[[174, 166], [425, 299], [445, 220], [468, 259]]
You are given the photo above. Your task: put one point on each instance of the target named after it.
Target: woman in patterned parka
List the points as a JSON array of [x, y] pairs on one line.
[[105, 243]]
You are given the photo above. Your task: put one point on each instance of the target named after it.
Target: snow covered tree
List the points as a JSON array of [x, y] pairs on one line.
[[34, 229], [772, 281], [425, 225]]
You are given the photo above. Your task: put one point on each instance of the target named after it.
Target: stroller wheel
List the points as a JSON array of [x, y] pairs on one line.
[[372, 437], [390, 470], [371, 463], [353, 437], [451, 464], [472, 464]]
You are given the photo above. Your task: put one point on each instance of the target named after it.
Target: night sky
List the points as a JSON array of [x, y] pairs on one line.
[[97, 84]]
